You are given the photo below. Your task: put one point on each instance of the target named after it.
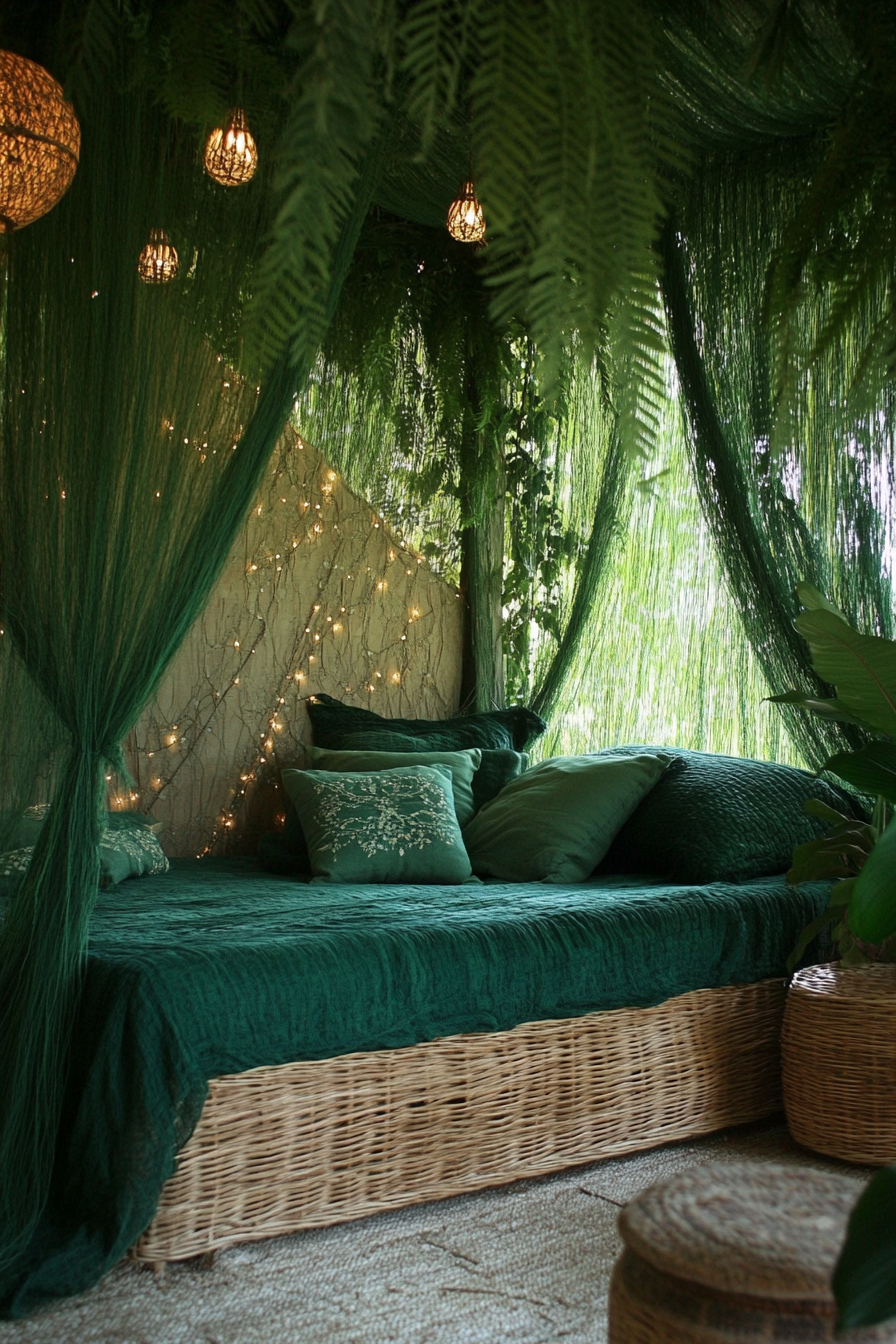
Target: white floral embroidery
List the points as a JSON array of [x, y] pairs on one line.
[[141, 846], [384, 812], [15, 861]]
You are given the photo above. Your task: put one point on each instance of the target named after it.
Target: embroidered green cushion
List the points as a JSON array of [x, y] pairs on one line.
[[463, 766], [127, 849], [555, 822], [386, 826]]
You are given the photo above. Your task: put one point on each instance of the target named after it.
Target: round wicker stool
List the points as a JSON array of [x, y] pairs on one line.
[[734, 1253], [839, 1056]]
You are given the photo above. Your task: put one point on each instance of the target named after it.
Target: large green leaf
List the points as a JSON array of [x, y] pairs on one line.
[[813, 600], [873, 769], [865, 1277], [862, 667], [872, 910], [825, 709]]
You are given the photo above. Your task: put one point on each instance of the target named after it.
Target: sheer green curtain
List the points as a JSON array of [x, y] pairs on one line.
[[130, 451], [803, 500]]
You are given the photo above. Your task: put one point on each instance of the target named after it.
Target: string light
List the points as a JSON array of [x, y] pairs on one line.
[[158, 260], [231, 156], [466, 222], [40, 141]]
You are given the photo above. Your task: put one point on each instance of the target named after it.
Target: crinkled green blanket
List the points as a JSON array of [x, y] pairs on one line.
[[217, 967]]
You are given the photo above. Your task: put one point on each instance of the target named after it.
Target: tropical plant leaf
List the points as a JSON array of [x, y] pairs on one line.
[[872, 769], [825, 709], [810, 932], [865, 1277], [814, 807], [872, 909], [813, 600], [862, 667]]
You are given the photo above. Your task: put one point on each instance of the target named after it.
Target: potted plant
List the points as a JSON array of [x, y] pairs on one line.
[[861, 857]]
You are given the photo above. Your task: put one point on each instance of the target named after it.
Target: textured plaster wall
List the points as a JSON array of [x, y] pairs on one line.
[[318, 595]]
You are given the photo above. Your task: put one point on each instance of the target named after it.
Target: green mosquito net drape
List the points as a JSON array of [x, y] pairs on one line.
[[131, 446]]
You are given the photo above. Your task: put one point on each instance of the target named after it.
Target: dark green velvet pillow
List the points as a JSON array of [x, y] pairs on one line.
[[386, 826], [462, 766], [555, 822], [514, 728], [719, 818]]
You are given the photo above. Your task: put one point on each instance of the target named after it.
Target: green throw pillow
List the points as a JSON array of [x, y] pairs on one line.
[[555, 822], [513, 728], [720, 818], [127, 849], [387, 826], [462, 765], [498, 766]]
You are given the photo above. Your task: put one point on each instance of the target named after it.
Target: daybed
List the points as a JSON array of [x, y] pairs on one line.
[[371, 1046]]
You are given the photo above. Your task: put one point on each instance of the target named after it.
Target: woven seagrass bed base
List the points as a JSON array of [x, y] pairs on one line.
[[310, 1144]]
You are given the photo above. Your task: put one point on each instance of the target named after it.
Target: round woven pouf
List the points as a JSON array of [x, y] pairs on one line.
[[734, 1253], [838, 1050]]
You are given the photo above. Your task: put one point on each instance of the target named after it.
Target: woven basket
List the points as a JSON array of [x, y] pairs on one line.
[[839, 1057], [735, 1253], [310, 1144]]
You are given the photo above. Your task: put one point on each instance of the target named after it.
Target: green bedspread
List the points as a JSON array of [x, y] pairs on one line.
[[217, 967]]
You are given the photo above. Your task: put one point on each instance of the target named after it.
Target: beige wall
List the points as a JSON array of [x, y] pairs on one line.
[[317, 596]]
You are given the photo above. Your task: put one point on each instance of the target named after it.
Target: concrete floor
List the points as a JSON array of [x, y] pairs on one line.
[[529, 1262]]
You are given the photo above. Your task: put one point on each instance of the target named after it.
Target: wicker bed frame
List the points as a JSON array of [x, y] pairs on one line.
[[305, 1145]]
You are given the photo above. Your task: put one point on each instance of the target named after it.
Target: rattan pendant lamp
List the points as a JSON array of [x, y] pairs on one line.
[[40, 141]]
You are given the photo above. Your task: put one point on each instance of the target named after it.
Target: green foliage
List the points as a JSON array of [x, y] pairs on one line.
[[863, 669], [871, 770], [840, 854], [865, 1277], [872, 907]]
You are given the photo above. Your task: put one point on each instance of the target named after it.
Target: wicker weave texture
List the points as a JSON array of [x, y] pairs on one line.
[[310, 1144], [839, 1056]]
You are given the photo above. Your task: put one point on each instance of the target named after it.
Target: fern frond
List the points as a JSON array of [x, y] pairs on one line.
[[433, 38], [332, 118], [639, 347]]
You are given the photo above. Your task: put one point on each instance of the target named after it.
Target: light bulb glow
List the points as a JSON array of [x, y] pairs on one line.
[[231, 157]]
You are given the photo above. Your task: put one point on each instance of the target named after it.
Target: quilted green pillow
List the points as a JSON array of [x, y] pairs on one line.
[[514, 728], [719, 818], [386, 826], [461, 764], [555, 822], [497, 767]]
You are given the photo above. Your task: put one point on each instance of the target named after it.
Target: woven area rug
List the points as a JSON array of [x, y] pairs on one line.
[[527, 1262]]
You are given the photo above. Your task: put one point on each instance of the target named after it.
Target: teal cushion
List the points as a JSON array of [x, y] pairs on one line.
[[386, 826], [514, 728], [497, 767], [719, 818], [127, 848], [461, 764], [555, 822]]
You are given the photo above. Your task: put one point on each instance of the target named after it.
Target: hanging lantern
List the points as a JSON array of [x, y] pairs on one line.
[[466, 221], [40, 141], [230, 154], [158, 260]]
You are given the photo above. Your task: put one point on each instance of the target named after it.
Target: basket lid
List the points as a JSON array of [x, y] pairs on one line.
[[757, 1230]]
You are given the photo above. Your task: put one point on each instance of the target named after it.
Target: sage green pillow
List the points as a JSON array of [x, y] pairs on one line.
[[384, 826], [555, 822], [462, 765]]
